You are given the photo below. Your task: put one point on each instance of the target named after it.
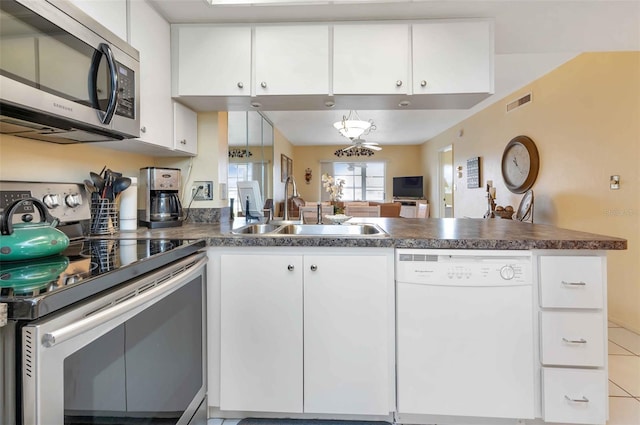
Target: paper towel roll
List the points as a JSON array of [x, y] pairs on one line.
[[129, 207]]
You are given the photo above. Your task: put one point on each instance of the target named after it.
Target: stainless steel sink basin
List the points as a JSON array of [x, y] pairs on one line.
[[255, 229], [331, 230]]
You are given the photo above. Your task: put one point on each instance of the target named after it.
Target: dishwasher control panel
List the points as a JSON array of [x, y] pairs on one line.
[[463, 268]]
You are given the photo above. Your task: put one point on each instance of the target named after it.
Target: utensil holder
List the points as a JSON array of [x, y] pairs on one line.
[[104, 217]]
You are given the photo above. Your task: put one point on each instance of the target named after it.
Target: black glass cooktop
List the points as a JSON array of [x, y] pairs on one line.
[[35, 288]]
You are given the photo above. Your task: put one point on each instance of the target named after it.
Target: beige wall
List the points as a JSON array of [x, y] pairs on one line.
[[211, 164], [401, 161], [585, 121], [24, 159]]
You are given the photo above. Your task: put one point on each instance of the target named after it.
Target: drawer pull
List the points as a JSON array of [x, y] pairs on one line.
[[575, 341], [573, 283], [577, 400]]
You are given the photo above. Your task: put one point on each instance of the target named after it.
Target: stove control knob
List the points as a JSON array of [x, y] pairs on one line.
[[51, 201], [73, 200], [507, 272]]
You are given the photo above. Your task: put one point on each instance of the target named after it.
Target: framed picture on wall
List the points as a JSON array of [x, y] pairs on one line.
[[284, 167], [289, 167]]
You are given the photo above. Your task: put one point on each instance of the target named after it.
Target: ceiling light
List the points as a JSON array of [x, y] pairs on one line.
[[352, 127]]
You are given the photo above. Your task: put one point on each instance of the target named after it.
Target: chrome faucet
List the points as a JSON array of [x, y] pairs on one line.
[[285, 215]]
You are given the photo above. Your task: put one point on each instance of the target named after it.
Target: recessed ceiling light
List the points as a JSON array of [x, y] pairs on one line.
[[256, 104], [329, 103], [404, 104]]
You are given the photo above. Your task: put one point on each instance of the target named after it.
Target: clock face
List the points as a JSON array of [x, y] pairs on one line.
[[520, 164]]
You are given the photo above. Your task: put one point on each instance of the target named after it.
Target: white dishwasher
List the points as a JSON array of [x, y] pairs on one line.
[[465, 333]]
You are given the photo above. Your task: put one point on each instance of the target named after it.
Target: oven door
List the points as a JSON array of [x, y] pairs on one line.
[[135, 355]]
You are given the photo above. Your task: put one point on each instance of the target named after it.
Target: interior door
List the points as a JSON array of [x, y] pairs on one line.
[[445, 182]]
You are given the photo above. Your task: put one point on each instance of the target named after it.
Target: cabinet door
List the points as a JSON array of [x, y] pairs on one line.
[[261, 333], [292, 59], [452, 57], [371, 59], [185, 129], [110, 13], [151, 36], [346, 368], [214, 61]]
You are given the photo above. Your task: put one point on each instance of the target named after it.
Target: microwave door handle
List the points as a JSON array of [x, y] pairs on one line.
[[128, 305], [106, 116]]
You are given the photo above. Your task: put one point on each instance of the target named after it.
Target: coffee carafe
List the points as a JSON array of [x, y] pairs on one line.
[[159, 197]]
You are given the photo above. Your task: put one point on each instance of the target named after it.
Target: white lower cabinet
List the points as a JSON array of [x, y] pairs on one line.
[[261, 333], [307, 333], [573, 337], [575, 396]]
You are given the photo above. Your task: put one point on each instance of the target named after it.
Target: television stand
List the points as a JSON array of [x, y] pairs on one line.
[[409, 206]]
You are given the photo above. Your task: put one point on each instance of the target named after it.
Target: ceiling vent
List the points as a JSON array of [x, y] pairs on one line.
[[519, 102]]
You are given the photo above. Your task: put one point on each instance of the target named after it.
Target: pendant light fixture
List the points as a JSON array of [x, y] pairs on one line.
[[352, 127]]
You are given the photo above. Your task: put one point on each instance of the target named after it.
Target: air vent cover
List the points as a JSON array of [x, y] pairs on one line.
[[519, 102]]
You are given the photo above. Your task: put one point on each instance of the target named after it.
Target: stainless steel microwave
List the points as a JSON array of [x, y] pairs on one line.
[[65, 78]]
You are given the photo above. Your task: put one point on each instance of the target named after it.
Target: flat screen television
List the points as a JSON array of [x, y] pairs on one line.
[[408, 187]]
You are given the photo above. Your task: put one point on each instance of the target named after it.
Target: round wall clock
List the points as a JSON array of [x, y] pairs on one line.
[[520, 163]]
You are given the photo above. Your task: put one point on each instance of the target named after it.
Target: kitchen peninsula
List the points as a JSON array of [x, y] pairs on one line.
[[450, 233], [436, 321]]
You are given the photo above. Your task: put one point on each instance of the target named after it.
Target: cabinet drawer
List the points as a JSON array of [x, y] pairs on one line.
[[572, 339], [571, 282], [574, 396]]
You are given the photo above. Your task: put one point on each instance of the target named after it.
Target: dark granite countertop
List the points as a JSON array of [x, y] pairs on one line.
[[447, 233]]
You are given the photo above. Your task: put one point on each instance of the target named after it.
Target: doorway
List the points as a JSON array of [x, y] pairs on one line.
[[445, 182]]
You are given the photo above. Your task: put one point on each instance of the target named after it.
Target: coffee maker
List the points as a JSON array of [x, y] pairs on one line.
[[159, 197]]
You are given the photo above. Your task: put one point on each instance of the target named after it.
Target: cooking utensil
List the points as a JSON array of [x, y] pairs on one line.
[[120, 184], [26, 240], [98, 181]]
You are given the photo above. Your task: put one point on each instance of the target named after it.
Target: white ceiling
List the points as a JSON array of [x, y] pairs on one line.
[[531, 39]]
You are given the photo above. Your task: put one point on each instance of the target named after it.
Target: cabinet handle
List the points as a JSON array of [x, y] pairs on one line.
[[263, 84], [398, 83], [574, 341], [240, 85], [183, 141], [573, 283], [314, 267], [290, 267], [143, 129], [583, 399], [423, 83]]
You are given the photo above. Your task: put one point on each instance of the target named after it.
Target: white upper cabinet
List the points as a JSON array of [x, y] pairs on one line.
[[185, 129], [213, 60], [452, 57], [110, 13], [371, 58], [151, 36], [292, 59]]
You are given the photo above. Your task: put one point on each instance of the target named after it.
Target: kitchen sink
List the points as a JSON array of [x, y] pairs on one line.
[[331, 230], [271, 229], [255, 229]]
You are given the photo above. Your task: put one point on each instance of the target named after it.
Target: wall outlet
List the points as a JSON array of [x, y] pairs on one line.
[[202, 190]]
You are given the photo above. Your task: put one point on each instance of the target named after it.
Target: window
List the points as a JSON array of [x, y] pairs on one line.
[[364, 181]]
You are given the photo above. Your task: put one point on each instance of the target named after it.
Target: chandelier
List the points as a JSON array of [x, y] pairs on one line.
[[239, 153], [352, 127]]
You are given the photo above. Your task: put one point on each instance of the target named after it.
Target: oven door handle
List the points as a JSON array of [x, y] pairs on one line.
[[127, 307]]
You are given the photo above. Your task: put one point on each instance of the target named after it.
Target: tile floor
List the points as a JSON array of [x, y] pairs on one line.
[[624, 376]]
